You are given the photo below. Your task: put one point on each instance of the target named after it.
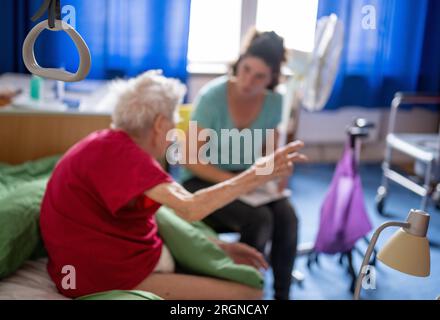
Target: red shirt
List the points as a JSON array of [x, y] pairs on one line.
[[95, 217]]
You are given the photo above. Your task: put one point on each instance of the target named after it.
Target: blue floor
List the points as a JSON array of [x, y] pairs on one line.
[[330, 280]]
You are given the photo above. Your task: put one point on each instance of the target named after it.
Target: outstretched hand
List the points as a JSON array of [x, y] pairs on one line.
[[280, 163]]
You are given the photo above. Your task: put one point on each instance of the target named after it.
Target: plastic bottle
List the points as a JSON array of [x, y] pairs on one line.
[[36, 87], [59, 90]]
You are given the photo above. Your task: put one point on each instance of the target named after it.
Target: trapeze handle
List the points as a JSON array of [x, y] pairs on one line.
[[51, 73]]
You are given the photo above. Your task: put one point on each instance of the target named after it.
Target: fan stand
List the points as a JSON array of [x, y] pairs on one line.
[[290, 135]]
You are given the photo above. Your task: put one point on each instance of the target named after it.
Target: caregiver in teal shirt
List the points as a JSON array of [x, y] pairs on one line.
[[246, 100], [212, 111]]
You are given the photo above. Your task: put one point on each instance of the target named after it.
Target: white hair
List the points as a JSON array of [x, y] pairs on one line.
[[138, 101]]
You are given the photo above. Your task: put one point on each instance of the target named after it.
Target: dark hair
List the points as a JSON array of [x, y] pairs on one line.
[[269, 47]]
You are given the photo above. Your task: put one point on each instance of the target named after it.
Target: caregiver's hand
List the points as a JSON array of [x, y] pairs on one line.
[[280, 163], [241, 253]]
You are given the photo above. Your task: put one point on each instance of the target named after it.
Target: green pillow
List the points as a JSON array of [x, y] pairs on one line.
[[208, 231], [194, 252], [121, 295], [21, 190]]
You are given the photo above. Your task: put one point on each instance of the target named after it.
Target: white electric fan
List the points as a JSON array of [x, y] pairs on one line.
[[313, 74]]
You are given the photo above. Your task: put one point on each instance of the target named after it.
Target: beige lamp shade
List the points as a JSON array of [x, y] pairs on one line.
[[407, 253]]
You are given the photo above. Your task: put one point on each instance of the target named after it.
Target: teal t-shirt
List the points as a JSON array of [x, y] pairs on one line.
[[228, 148]]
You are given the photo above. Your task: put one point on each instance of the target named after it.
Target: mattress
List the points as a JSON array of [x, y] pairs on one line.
[[30, 282]]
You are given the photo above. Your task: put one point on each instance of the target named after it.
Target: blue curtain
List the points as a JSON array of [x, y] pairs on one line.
[[125, 37], [14, 26], [401, 54]]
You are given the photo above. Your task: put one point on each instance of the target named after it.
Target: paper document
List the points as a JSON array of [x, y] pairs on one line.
[[264, 194]]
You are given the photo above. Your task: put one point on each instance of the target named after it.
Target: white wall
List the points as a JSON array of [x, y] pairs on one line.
[[324, 132]]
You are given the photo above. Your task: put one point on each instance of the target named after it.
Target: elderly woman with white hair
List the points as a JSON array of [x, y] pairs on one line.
[[97, 214]]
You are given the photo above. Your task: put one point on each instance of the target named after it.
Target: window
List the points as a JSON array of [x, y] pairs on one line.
[[218, 26], [294, 20], [214, 34]]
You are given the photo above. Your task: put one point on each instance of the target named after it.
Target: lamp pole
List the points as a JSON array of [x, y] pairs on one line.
[[370, 249]]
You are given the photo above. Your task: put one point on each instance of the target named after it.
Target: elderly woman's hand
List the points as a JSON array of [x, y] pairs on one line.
[[280, 163], [241, 253], [196, 206]]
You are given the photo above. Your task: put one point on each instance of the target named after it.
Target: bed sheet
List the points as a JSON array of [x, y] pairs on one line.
[[30, 282]]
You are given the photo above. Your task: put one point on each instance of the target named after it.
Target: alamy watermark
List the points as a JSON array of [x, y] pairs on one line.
[[369, 19], [234, 143], [69, 15], [369, 279], [68, 282]]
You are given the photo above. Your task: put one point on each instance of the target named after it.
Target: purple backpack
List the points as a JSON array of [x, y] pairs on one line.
[[344, 218]]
